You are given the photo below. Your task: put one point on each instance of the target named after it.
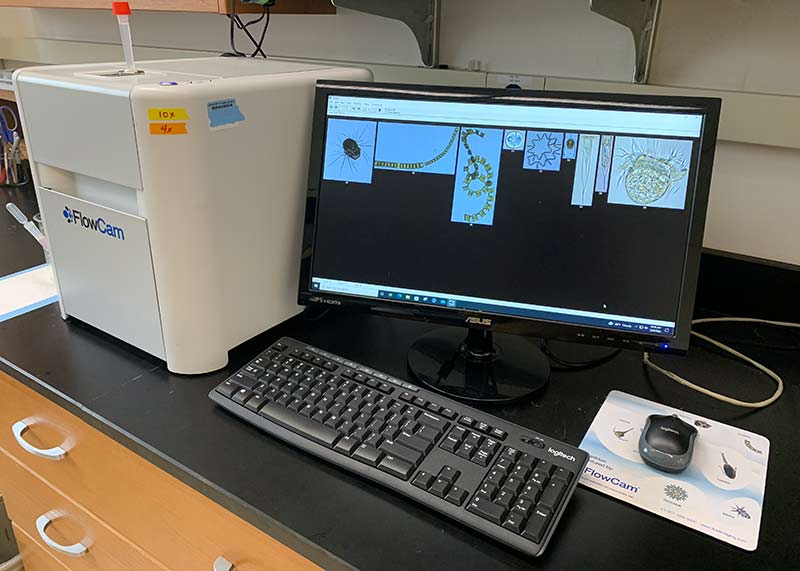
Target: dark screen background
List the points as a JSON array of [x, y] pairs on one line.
[[540, 249]]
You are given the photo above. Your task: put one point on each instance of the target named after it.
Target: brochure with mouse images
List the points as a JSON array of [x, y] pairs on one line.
[[721, 492]]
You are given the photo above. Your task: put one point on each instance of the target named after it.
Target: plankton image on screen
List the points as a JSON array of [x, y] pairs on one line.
[[352, 156], [651, 170]]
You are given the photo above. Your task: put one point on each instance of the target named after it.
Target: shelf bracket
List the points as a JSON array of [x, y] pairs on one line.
[[641, 18], [421, 16]]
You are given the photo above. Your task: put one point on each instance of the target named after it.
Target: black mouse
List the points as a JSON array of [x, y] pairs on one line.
[[667, 443]]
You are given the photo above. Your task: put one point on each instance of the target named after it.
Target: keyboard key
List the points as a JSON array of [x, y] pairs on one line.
[[497, 433], [423, 480], [514, 522], [293, 421], [374, 440], [481, 457], [428, 433], [244, 380], [433, 407], [241, 396], [511, 453], [491, 445], [253, 371], [545, 466], [562, 474], [450, 474], [450, 444], [467, 421], [346, 445], [513, 485], [486, 509], [537, 523], [528, 460], [435, 422], [483, 427], [487, 491], [385, 388], [504, 498], [531, 493], [396, 449], [391, 431], [504, 464], [496, 477], [456, 495], [440, 487], [255, 403], [552, 494], [459, 433], [295, 405], [537, 479], [521, 471], [408, 397], [227, 388], [448, 413], [420, 402], [396, 467], [523, 506], [414, 442], [466, 450], [368, 454]]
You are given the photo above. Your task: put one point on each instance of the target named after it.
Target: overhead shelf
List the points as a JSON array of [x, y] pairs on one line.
[[203, 6], [754, 118]]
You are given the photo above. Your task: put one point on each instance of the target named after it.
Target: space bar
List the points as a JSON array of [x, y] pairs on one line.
[[303, 426]]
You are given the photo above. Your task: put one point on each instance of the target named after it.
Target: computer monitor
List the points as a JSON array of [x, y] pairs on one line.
[[568, 216]]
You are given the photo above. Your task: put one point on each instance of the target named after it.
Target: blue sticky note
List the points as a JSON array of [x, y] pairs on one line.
[[224, 112]]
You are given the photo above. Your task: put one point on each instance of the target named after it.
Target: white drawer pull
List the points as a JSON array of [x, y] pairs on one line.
[[19, 429], [222, 564], [76, 550]]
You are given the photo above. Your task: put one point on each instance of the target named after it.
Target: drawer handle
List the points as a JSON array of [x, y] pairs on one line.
[[19, 429], [222, 564], [76, 550]]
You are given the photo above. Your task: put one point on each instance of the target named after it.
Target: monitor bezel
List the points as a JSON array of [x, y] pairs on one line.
[[531, 327]]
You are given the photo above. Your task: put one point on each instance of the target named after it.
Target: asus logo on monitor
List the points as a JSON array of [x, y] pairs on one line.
[[318, 299], [479, 321]]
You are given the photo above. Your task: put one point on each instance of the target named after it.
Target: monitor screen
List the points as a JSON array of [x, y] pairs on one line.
[[565, 211]]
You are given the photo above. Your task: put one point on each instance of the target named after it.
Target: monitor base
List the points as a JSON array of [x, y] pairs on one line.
[[481, 368]]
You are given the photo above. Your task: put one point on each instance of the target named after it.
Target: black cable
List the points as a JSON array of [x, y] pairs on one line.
[[263, 33], [242, 26], [563, 365], [232, 18]]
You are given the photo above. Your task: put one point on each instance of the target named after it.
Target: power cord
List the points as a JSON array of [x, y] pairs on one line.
[[235, 20], [769, 372], [563, 365]]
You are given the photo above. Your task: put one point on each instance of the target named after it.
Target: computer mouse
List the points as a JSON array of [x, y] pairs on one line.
[[667, 443]]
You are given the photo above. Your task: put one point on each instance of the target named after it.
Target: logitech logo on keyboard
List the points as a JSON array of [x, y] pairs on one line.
[[560, 454], [72, 216]]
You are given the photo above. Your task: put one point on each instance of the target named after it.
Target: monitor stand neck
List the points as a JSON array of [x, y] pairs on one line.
[[480, 368]]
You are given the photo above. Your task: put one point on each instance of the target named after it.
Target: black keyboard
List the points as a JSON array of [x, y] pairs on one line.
[[499, 478]]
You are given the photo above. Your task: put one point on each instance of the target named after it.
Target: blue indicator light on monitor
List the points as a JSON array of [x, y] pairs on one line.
[[665, 346]]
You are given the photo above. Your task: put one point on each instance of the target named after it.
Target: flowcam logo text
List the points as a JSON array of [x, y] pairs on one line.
[[73, 216], [613, 480]]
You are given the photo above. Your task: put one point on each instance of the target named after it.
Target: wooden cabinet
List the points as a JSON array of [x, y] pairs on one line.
[[135, 516], [212, 6]]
